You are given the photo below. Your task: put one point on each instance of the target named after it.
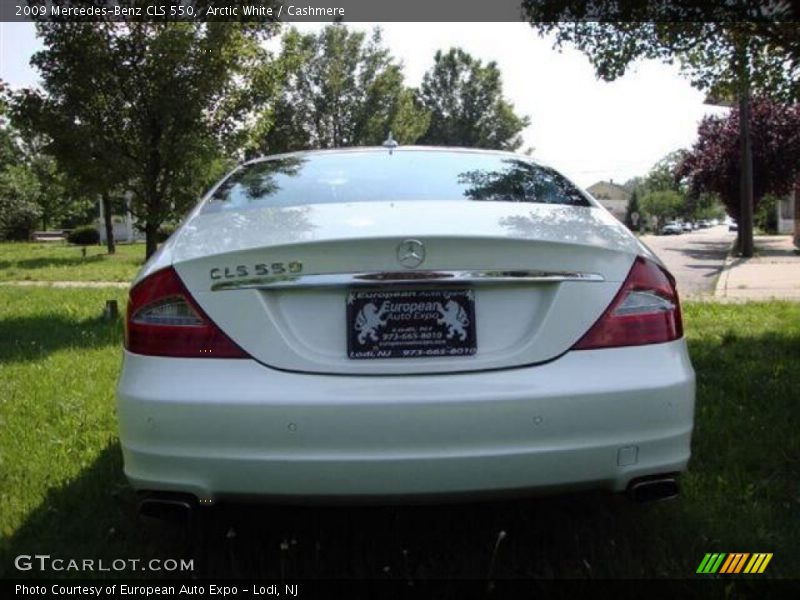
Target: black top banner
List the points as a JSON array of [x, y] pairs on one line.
[[766, 11]]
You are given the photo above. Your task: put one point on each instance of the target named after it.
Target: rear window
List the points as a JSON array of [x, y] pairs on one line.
[[400, 176]]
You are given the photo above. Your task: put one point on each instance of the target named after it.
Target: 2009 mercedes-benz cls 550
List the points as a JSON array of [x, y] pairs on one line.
[[398, 323]]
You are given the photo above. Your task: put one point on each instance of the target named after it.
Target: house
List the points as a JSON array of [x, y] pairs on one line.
[[795, 200], [612, 196], [123, 226], [788, 210], [786, 213]]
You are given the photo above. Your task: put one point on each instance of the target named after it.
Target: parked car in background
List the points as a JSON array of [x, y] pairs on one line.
[[704, 223], [672, 228], [687, 226], [403, 322], [733, 226]]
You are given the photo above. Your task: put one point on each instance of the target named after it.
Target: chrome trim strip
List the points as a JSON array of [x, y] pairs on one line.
[[393, 278]]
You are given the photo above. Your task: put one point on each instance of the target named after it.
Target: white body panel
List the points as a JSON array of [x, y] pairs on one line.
[[300, 419], [304, 330], [215, 428]]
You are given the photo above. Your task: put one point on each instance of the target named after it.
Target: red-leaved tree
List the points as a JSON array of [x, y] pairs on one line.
[[713, 164]]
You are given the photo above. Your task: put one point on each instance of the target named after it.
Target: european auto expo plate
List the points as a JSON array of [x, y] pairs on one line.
[[410, 323]]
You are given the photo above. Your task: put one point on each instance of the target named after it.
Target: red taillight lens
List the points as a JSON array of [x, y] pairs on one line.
[[646, 310], [164, 320]]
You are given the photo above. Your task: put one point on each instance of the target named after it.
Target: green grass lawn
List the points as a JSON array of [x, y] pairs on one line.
[[62, 491], [59, 261]]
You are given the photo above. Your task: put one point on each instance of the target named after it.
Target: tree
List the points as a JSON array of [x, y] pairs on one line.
[[465, 99], [19, 211], [32, 186], [340, 89], [663, 205], [712, 165], [729, 50], [147, 107], [8, 142], [53, 198], [632, 209], [661, 177]]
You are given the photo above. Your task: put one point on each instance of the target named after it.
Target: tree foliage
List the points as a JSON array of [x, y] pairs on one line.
[[19, 211], [18, 187], [465, 99], [632, 209], [663, 205], [713, 43], [728, 49], [713, 166], [33, 189], [340, 88], [661, 177], [147, 107]]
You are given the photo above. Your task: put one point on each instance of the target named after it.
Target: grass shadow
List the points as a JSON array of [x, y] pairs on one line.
[[52, 261], [92, 516], [29, 338]]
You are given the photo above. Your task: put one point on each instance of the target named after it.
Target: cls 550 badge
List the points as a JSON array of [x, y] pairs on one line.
[[258, 270]]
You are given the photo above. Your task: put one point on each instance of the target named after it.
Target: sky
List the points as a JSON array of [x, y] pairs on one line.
[[590, 130]]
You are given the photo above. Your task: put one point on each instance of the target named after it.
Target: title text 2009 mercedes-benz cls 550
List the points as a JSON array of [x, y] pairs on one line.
[[400, 323]]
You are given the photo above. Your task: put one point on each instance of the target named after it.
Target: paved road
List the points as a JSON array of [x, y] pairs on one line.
[[694, 258]]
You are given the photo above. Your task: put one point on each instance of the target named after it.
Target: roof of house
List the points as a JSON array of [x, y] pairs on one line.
[[608, 190]]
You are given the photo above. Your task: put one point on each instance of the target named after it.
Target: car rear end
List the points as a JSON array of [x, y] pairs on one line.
[[326, 345]]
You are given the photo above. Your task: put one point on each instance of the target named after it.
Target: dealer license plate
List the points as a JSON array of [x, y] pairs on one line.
[[411, 323]]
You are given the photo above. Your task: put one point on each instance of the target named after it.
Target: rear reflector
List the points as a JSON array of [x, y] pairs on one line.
[[164, 320], [646, 310]]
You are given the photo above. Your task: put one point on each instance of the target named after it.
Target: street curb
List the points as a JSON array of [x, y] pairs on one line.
[[721, 288]]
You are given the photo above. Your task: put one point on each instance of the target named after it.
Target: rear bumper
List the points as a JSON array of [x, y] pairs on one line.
[[216, 428]]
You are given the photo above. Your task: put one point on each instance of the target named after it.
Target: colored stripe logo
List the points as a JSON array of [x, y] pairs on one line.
[[734, 563]]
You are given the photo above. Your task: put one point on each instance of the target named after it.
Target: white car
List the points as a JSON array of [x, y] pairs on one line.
[[397, 323], [672, 228]]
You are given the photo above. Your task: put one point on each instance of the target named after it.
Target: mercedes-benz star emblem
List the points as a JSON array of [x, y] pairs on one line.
[[411, 253]]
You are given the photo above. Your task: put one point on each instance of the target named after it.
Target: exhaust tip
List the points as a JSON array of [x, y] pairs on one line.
[[654, 489], [167, 506]]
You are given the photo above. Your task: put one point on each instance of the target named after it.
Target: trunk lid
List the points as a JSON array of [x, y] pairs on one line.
[[278, 280]]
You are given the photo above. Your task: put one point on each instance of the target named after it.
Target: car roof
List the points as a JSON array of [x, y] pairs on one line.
[[377, 149]]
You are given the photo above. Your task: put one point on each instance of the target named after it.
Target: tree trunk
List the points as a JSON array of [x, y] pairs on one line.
[[746, 206], [109, 223], [745, 229], [151, 238], [797, 213]]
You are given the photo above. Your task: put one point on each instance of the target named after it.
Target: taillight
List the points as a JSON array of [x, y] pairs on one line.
[[164, 320], [646, 310]]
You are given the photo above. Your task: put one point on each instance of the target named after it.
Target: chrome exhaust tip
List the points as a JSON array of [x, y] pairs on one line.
[[654, 489], [167, 506]]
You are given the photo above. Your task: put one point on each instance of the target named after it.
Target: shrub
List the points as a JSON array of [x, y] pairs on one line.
[[86, 235], [766, 215], [17, 218]]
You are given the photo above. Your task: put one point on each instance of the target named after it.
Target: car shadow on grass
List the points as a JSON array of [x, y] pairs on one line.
[[585, 535], [91, 516], [28, 338]]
